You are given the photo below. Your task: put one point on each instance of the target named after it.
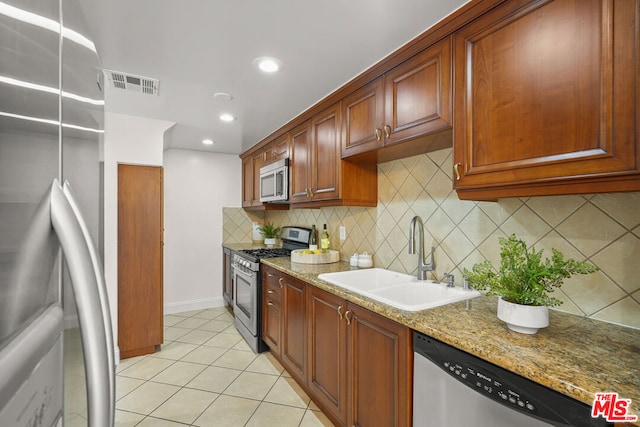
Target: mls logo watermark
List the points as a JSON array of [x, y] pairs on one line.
[[612, 408]]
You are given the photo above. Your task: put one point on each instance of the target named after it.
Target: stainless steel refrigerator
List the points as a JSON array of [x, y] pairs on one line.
[[51, 128]]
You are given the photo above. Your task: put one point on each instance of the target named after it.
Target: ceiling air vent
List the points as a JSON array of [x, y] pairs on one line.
[[132, 82]]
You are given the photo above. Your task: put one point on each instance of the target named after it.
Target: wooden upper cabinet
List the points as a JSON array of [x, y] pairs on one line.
[[325, 154], [547, 100], [277, 149], [247, 182], [363, 113], [300, 163], [318, 176], [409, 101]]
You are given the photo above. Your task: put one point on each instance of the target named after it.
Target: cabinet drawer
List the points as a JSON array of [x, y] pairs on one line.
[[272, 283]]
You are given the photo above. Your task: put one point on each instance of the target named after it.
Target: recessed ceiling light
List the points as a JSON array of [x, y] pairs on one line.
[[207, 141], [226, 117], [223, 96], [268, 64]]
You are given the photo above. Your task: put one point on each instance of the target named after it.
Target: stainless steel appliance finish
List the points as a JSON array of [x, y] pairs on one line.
[[51, 121], [453, 388], [274, 182], [247, 282]]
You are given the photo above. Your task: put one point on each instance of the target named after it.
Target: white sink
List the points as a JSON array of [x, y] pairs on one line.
[[397, 289]]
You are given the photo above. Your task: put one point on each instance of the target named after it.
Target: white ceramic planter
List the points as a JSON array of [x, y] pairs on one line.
[[526, 319], [269, 241]]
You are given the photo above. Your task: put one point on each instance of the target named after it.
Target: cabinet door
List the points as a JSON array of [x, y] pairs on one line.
[[547, 100], [299, 163], [257, 164], [418, 95], [363, 113], [294, 333], [327, 346], [380, 355], [277, 149], [272, 310], [272, 325], [247, 182], [227, 277], [325, 155]]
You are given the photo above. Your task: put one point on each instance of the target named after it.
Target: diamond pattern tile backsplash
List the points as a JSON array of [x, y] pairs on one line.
[[603, 229]]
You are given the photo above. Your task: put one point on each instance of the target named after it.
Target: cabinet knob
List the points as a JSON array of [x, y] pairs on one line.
[[340, 316], [269, 291], [456, 169], [269, 303], [378, 134], [387, 131], [346, 316]]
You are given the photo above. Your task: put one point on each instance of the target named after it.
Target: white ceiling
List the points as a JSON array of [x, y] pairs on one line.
[[199, 47]]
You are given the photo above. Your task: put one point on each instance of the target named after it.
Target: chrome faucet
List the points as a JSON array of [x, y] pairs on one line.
[[423, 267]]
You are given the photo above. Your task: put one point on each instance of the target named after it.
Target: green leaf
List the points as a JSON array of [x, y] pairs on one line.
[[524, 277]]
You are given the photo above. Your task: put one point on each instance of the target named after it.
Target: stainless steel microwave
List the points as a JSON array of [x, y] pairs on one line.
[[274, 182]]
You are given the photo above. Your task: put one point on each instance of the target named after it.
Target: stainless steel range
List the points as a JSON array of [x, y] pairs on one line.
[[247, 305]]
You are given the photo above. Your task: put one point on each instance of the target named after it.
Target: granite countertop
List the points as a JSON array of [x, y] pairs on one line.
[[574, 355]]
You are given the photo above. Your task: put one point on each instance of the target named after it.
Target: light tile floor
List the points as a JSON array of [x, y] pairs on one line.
[[204, 375]]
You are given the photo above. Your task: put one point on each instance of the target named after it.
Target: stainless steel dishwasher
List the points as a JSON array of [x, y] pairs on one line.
[[452, 388]]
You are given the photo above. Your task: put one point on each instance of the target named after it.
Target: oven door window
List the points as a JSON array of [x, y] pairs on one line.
[[245, 298], [267, 186]]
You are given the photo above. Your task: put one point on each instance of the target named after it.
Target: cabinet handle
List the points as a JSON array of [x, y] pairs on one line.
[[456, 169], [269, 291], [280, 280], [346, 316], [387, 131], [269, 303], [340, 316], [270, 275], [310, 191], [378, 134]]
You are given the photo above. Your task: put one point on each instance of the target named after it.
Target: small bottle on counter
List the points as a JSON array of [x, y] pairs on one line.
[[324, 240], [313, 243]]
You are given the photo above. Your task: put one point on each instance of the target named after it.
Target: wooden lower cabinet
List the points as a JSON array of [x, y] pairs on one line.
[[380, 368], [294, 331], [356, 365], [327, 373]]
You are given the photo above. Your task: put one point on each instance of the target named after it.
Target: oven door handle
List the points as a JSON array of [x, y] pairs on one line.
[[244, 273]]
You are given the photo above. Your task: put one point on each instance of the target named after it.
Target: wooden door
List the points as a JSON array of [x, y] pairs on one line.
[[363, 113], [327, 359], [294, 333], [325, 158], [547, 100], [418, 95], [380, 357], [299, 163], [140, 254]]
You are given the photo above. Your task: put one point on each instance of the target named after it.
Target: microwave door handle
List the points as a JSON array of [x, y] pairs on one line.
[[279, 183], [101, 286], [99, 374]]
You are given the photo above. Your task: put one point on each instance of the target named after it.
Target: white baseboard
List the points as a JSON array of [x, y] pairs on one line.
[[200, 304]]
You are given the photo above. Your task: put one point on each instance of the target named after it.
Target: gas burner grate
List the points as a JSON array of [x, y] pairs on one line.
[[267, 253]]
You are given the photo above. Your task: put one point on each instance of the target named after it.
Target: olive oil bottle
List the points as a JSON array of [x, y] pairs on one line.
[[324, 240]]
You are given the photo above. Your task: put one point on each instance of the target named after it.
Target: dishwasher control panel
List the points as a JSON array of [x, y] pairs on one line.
[[505, 387], [489, 384]]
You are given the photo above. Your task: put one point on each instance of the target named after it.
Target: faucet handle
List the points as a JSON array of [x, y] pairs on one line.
[[450, 279]]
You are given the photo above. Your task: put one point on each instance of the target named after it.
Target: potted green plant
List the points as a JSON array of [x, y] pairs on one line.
[[270, 233], [524, 283]]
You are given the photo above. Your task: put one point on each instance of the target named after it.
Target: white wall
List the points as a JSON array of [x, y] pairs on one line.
[[196, 187], [132, 140]]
